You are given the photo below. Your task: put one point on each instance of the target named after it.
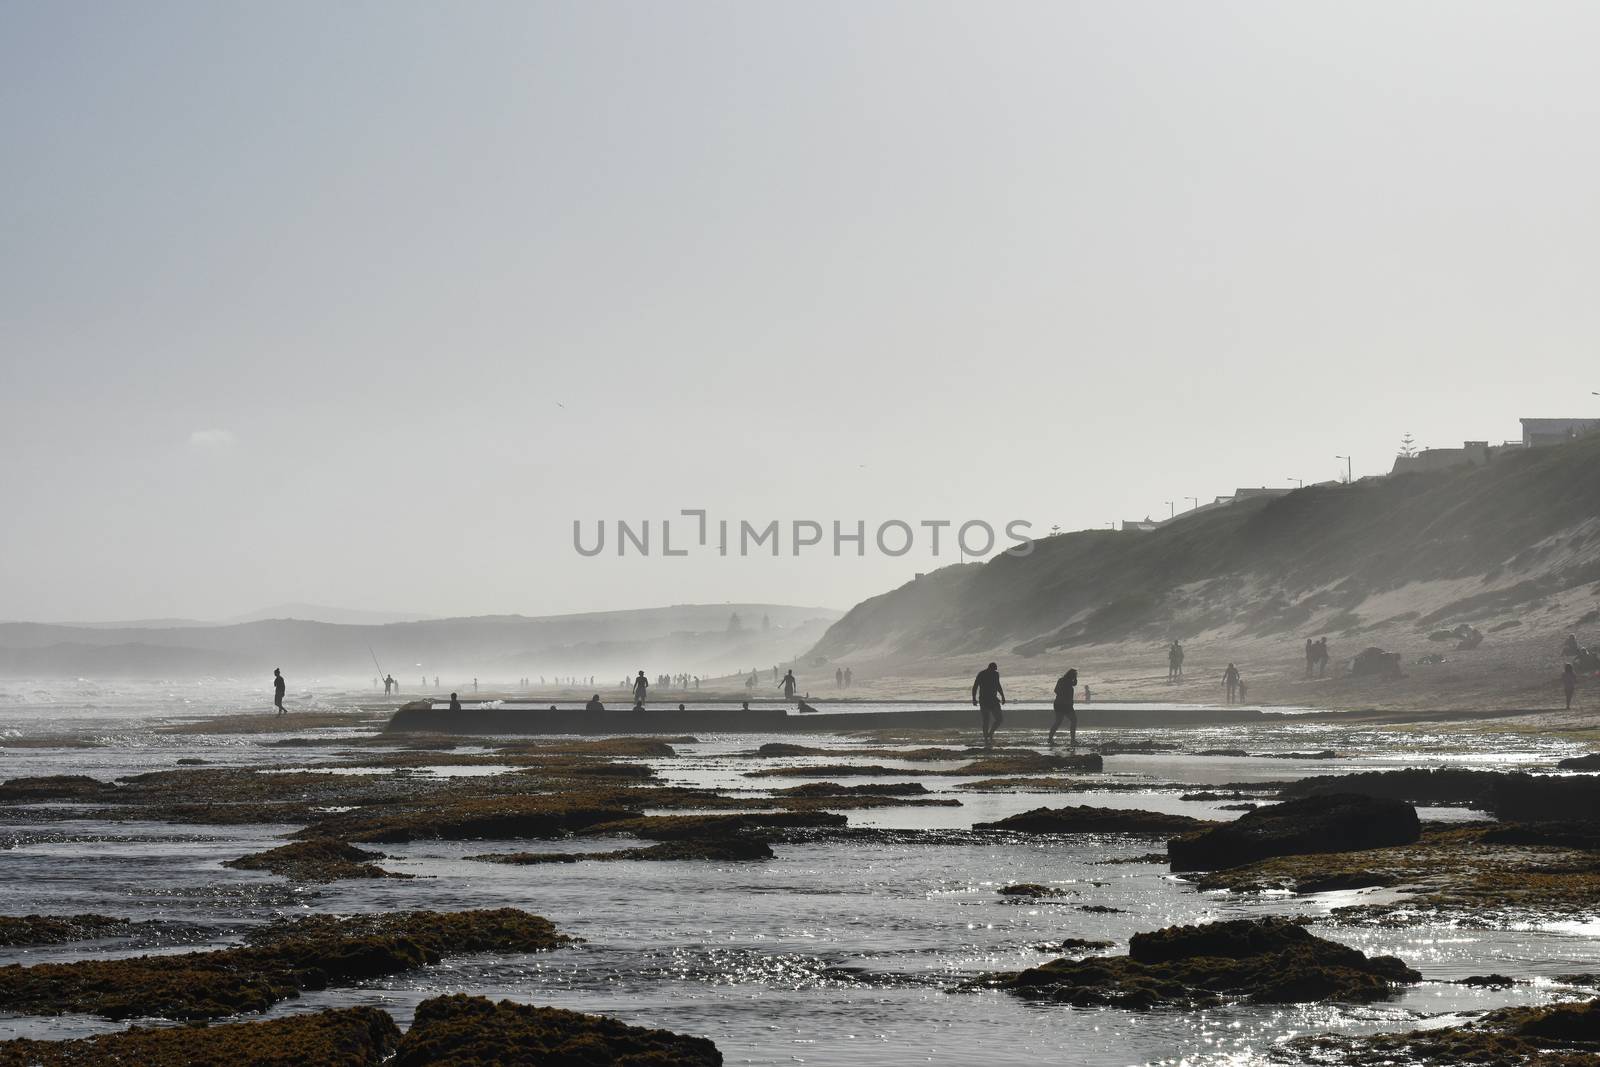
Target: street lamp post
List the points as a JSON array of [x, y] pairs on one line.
[[1347, 469], [1171, 510], [1300, 483], [1194, 502]]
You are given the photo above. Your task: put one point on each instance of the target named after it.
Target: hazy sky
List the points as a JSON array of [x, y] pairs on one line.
[[365, 303]]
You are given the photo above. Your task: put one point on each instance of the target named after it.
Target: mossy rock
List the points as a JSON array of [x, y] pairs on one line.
[[1082, 819], [707, 827], [54, 787], [467, 1031], [1557, 1035], [346, 1037], [321, 859], [58, 929], [471, 818], [276, 963], [1266, 961], [727, 849], [1341, 822]]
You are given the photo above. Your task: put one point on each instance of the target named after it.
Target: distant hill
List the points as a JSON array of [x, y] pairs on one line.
[[687, 637], [1413, 551]]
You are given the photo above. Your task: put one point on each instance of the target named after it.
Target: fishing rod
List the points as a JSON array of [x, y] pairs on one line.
[[375, 662]]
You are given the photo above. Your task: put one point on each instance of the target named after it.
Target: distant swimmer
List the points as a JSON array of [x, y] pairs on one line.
[[594, 704], [455, 702], [787, 685], [1569, 684], [989, 696], [641, 689], [279, 685], [1066, 691]]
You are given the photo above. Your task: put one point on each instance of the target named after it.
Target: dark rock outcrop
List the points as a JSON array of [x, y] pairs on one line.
[[1416, 785], [345, 1037], [321, 859], [1548, 797], [1081, 819], [1557, 1035], [54, 787], [1590, 762], [1265, 961], [726, 849], [469, 1031], [276, 963], [1342, 822]]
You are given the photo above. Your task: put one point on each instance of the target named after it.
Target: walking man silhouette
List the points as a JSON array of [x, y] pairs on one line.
[[278, 686], [1066, 691], [989, 696]]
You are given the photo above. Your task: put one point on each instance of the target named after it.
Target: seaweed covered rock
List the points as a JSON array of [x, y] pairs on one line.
[[1546, 797], [54, 787], [1264, 961], [706, 827], [1031, 763], [58, 929], [1342, 822], [1416, 785], [835, 789], [466, 1031], [321, 859], [345, 1037], [726, 849], [470, 818], [276, 963], [1082, 819], [1030, 891], [1557, 1035]]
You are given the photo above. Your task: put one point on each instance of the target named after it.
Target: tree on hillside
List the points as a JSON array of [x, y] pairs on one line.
[[1408, 445]]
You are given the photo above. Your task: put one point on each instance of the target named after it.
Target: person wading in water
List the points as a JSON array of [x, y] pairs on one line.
[[1066, 690], [788, 684], [278, 686], [989, 696], [1569, 684]]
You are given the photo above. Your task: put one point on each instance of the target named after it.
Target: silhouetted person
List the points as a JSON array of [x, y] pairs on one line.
[[680, 707], [641, 689], [849, 677], [838, 678], [1230, 683], [1086, 696], [1570, 648], [745, 706], [989, 696], [474, 685], [1311, 656], [594, 704], [788, 684], [390, 685], [436, 681], [1569, 684], [455, 702], [1066, 691], [1241, 689], [279, 685]]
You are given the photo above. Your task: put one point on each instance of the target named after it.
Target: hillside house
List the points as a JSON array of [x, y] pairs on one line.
[[1537, 433]]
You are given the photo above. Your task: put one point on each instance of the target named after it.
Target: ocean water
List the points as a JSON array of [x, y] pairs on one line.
[[832, 953]]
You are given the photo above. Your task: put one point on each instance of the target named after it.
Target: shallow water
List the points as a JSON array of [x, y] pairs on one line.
[[833, 953]]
